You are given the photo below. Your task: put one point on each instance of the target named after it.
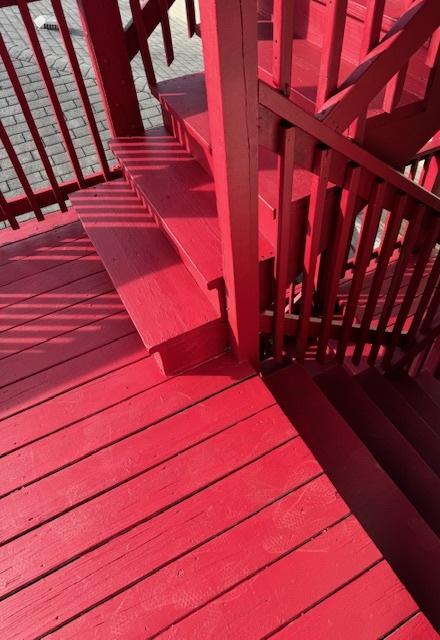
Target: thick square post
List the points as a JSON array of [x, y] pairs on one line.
[[229, 33], [104, 34]]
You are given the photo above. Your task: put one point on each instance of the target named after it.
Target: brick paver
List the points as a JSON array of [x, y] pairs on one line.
[[188, 59]]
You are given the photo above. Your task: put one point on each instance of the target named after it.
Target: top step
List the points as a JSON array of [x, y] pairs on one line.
[[163, 300]]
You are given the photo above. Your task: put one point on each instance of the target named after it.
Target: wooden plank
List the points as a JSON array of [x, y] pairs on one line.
[[261, 604], [105, 435], [368, 607], [430, 385], [34, 309], [417, 628], [159, 166], [410, 546], [199, 577], [153, 544], [283, 21], [333, 29], [230, 54], [153, 283], [120, 349], [390, 448], [97, 521], [418, 399], [32, 286], [66, 347], [38, 332]]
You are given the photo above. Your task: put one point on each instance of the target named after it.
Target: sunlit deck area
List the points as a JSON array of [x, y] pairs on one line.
[[136, 504]]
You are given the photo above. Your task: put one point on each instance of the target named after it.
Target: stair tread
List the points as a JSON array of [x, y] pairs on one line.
[[417, 398], [406, 541], [148, 275], [182, 197], [391, 449], [402, 415]]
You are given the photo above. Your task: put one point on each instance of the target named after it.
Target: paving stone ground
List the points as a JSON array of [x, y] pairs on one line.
[[188, 59]]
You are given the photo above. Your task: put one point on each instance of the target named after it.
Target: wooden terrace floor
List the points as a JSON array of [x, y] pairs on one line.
[[135, 505]]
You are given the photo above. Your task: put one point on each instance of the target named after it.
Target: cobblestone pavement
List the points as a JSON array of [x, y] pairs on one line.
[[188, 59]]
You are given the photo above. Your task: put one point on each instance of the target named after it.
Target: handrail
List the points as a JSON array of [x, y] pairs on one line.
[[290, 112]]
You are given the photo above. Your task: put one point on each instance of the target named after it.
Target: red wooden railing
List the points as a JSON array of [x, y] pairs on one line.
[[400, 223]]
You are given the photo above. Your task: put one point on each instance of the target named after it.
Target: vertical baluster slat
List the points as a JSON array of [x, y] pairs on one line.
[[331, 50], [366, 245], [6, 212], [340, 242], [33, 204], [411, 291], [394, 90], [370, 38], [27, 114], [79, 81], [191, 17], [50, 89], [434, 48], [144, 49], [433, 281], [311, 249], [284, 222], [282, 44], [431, 173], [411, 235], [166, 31], [389, 241], [431, 311]]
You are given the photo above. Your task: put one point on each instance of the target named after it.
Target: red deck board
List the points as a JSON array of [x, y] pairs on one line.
[[384, 603], [105, 436], [417, 398], [145, 270], [285, 589], [35, 227], [35, 333], [418, 628], [117, 351], [153, 544], [50, 302], [204, 574], [143, 497]]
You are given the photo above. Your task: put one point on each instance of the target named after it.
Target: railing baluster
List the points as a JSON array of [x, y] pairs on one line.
[[27, 113], [366, 245], [311, 250], [20, 173], [411, 236], [282, 44], [394, 89], [50, 89], [431, 284], [341, 240], [284, 223], [431, 311], [331, 50], [79, 81], [388, 245], [6, 212], [191, 17], [136, 12], [411, 291], [166, 31], [434, 48]]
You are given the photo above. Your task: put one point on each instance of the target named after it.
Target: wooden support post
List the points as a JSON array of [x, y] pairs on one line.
[[105, 39], [229, 34]]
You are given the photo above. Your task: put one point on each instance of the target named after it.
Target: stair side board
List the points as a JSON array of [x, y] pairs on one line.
[[406, 541], [160, 295]]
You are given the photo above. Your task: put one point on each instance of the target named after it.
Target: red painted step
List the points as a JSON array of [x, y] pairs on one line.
[[430, 386], [150, 278], [185, 111], [390, 448], [418, 399], [402, 415], [406, 541], [181, 196]]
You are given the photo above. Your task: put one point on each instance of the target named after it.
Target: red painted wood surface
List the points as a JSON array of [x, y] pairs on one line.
[[146, 272]]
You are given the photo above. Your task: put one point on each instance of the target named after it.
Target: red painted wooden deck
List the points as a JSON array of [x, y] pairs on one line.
[[136, 505]]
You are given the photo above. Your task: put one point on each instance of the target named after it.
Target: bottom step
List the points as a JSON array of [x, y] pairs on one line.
[[172, 314]]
